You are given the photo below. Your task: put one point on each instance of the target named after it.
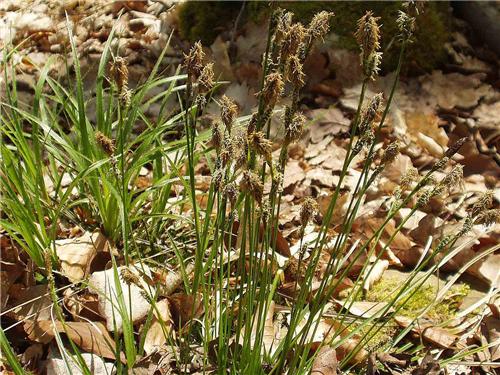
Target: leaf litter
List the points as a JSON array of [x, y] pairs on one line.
[[430, 113]]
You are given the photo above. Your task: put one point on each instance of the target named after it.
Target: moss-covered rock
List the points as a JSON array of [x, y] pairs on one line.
[[203, 21]]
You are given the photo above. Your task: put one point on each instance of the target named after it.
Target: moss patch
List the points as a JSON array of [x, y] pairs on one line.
[[423, 297], [204, 21]]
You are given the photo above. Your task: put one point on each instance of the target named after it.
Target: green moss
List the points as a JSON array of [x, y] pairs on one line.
[[421, 299], [203, 21]]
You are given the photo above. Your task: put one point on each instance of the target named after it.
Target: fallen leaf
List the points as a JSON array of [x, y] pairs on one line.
[[76, 254], [269, 335], [282, 246], [32, 303], [374, 273], [160, 327], [293, 174], [322, 177], [430, 145], [435, 335], [427, 125], [325, 362], [185, 307], [487, 270], [428, 366], [455, 89], [92, 337], [487, 115], [169, 281]]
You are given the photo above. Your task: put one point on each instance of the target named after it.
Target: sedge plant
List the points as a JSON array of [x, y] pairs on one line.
[[230, 254]]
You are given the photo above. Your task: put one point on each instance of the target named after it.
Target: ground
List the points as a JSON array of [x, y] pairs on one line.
[[132, 199]]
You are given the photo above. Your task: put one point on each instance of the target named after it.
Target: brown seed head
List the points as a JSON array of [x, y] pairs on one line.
[[294, 128], [273, 89], [369, 113], [488, 217], [228, 112], [291, 42], [125, 97], [251, 184], [241, 151], [390, 153], [307, 210], [261, 145], [216, 137], [206, 80], [320, 25], [193, 61], [230, 191], [107, 144], [440, 163], [368, 34], [424, 197], [411, 175], [295, 73], [483, 203], [129, 277], [454, 178], [119, 73], [217, 178], [284, 22], [371, 66], [227, 150]]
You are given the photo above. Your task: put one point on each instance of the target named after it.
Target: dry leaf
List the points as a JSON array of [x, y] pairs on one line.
[[322, 177], [325, 362], [169, 281], [430, 145], [488, 115], [77, 253], [220, 57], [293, 174], [491, 329], [374, 273], [426, 124], [326, 122], [157, 334], [435, 335], [269, 336], [185, 307], [282, 246], [82, 307], [91, 337], [455, 89], [487, 270], [33, 303], [428, 366]]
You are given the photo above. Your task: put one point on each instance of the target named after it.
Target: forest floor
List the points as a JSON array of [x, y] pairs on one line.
[[430, 112]]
